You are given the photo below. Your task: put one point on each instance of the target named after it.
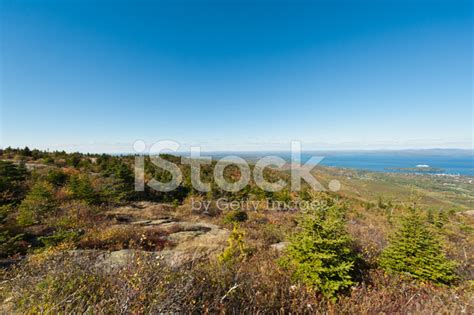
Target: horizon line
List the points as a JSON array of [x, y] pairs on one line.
[[253, 151]]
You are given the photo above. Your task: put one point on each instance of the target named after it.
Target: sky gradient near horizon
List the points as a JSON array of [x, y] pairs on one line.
[[236, 75]]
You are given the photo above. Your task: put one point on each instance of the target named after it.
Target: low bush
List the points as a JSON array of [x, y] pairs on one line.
[[58, 237], [120, 237], [236, 247], [11, 244], [66, 283], [235, 217]]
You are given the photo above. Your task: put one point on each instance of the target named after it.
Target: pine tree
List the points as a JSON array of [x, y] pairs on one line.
[[12, 178], [416, 251], [38, 204], [124, 182], [320, 251], [81, 188], [118, 185]]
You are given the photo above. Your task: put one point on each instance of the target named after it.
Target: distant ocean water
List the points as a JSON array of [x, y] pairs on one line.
[[440, 161], [455, 165]]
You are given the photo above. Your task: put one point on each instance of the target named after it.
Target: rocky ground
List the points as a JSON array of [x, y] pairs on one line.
[[187, 241]]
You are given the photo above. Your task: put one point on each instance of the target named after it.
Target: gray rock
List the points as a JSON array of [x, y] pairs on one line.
[[279, 246], [192, 241], [141, 222], [159, 221], [180, 237], [468, 213]]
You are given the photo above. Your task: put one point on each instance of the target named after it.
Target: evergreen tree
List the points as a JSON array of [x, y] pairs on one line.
[[56, 177], [73, 159], [119, 185], [320, 251], [416, 251], [124, 181], [81, 188], [26, 151], [12, 178], [38, 204]]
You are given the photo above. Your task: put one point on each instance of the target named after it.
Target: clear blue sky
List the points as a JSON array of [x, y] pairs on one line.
[[236, 75]]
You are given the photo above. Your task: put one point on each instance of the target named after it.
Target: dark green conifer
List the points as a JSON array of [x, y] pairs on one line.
[[320, 252], [38, 204], [80, 187], [415, 250]]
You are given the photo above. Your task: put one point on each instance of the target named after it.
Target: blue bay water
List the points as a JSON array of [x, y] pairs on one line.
[[456, 165], [440, 161]]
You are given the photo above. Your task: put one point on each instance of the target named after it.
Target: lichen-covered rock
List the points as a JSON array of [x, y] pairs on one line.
[[187, 241]]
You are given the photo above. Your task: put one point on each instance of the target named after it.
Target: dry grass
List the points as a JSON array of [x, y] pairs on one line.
[[118, 237], [255, 285]]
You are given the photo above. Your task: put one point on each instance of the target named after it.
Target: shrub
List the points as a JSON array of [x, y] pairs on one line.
[[416, 251], [63, 286], [118, 237], [56, 177], [76, 215], [320, 253], [236, 247], [10, 245], [38, 204], [5, 210], [59, 237], [272, 234], [48, 160], [73, 159], [236, 216]]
